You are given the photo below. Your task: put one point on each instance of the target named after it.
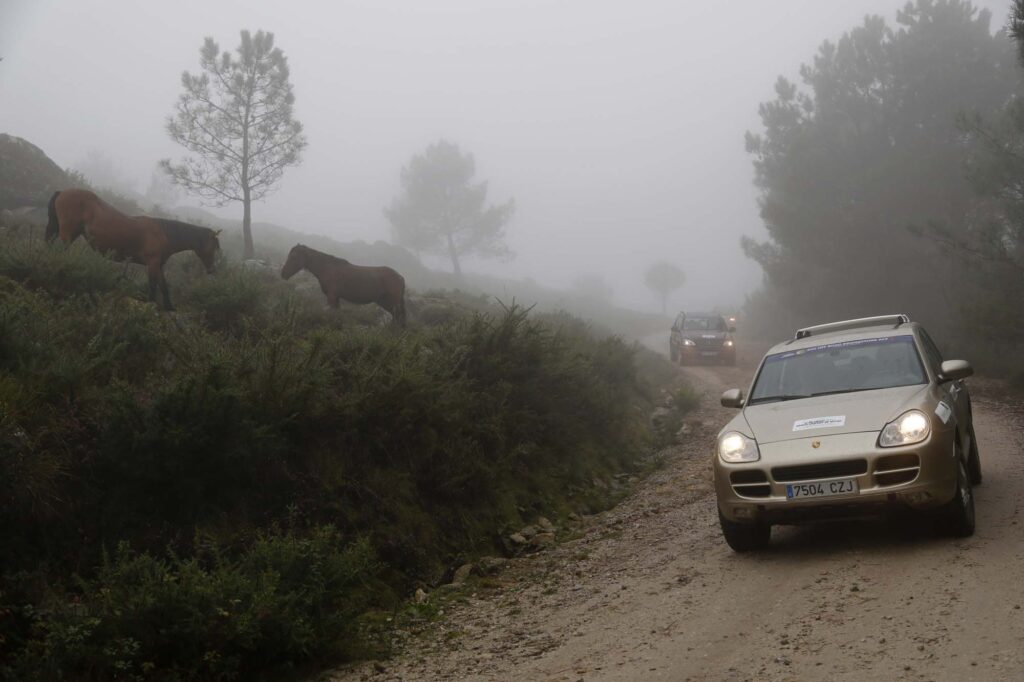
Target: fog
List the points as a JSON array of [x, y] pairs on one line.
[[617, 127]]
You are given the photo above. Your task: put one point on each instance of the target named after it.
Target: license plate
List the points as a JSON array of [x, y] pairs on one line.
[[708, 352], [836, 486]]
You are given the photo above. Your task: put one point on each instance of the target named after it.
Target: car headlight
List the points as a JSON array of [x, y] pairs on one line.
[[734, 447], [728, 343], [909, 428], [688, 342]]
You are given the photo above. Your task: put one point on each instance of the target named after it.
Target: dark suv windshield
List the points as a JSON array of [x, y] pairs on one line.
[[704, 324], [839, 368]]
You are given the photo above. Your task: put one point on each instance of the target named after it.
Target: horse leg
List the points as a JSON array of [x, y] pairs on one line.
[[400, 310], [157, 279], [154, 282], [166, 292], [399, 302], [389, 304]]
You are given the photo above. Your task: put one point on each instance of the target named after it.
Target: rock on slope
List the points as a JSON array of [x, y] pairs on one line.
[[27, 176]]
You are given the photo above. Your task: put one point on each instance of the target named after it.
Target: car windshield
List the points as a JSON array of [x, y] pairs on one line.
[[860, 365], [713, 324]]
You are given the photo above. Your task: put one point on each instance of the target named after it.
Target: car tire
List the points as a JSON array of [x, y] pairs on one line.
[[958, 513], [745, 537], [974, 459]]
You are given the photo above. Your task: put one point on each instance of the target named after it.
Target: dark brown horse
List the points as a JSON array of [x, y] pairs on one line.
[[341, 280], [139, 239]]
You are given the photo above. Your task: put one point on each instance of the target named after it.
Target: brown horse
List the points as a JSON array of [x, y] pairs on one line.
[[341, 280], [139, 239]]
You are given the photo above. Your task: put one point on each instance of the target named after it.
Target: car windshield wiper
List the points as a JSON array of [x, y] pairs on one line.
[[775, 398], [844, 390]]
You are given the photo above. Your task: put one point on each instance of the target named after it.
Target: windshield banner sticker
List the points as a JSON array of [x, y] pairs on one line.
[[840, 345], [819, 423]]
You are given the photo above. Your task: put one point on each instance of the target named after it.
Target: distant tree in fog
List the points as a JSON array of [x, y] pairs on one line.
[[441, 210], [664, 278], [236, 119], [593, 287]]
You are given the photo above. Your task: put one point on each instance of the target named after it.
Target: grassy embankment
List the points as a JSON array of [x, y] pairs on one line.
[[240, 488]]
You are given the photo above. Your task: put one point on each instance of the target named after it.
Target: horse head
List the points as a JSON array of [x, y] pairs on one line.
[[208, 249], [295, 262]]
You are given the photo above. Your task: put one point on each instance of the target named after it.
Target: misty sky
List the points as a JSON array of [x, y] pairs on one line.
[[617, 126]]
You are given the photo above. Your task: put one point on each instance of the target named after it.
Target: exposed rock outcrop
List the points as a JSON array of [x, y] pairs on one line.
[[27, 175]]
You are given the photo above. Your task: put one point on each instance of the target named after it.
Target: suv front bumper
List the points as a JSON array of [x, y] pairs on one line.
[[919, 476]]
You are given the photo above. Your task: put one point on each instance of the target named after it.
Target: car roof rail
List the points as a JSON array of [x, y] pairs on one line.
[[876, 321]]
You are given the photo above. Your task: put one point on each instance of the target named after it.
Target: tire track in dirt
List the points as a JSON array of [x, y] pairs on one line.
[[649, 590]]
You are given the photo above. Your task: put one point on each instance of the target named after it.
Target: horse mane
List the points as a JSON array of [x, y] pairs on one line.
[[321, 255]]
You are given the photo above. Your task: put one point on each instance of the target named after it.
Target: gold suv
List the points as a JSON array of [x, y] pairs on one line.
[[850, 418]]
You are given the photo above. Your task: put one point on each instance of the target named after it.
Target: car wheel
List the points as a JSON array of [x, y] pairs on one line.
[[958, 513], [974, 459], [745, 537]]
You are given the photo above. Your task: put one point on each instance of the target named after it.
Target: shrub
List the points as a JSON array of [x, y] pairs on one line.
[[191, 437], [60, 270], [285, 601]]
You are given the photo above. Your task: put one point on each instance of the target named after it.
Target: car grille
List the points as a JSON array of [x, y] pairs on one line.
[[806, 472], [709, 344], [897, 469], [750, 483]]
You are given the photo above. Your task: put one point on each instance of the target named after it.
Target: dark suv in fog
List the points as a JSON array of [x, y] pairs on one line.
[[702, 337]]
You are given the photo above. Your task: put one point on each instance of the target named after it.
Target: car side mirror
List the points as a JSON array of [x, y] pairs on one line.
[[732, 398], [954, 370]]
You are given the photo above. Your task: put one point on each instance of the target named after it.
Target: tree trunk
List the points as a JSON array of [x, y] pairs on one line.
[[247, 223], [248, 252], [455, 256]]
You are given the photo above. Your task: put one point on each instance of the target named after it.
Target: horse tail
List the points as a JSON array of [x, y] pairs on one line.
[[52, 223], [400, 306]]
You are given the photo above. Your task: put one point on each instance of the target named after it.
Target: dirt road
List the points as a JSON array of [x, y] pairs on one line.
[[650, 591]]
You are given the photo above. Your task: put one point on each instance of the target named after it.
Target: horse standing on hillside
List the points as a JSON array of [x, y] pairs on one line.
[[341, 280], [139, 239]]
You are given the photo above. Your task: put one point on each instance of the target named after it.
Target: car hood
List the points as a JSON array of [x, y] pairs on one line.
[[827, 415], [696, 335]]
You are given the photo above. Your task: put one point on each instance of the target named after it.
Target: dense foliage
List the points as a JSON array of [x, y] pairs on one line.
[[863, 182], [222, 492]]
